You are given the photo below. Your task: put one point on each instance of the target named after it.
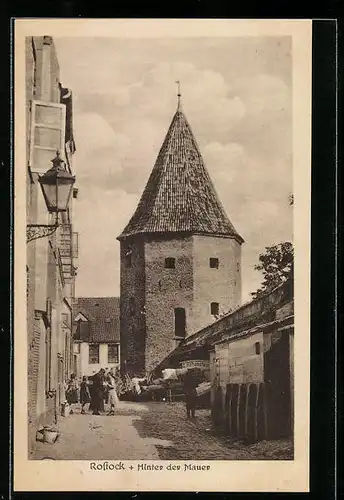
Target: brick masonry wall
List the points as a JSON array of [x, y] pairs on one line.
[[166, 289], [191, 285], [132, 301], [222, 285]]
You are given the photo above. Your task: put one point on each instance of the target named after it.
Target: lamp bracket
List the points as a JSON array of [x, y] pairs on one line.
[[35, 231]]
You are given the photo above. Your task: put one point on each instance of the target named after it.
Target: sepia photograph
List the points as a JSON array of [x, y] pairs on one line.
[[160, 234]]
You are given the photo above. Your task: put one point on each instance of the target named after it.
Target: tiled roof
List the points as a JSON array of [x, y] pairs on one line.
[[102, 314], [179, 195]]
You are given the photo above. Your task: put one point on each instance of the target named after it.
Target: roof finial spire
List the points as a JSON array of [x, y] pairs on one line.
[[179, 95]]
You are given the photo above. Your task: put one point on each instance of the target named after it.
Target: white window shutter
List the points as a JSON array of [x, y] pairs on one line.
[[47, 134]]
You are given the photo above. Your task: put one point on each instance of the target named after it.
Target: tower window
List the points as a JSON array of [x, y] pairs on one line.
[[128, 258], [132, 305], [257, 347], [214, 262], [179, 322], [214, 308], [170, 263]]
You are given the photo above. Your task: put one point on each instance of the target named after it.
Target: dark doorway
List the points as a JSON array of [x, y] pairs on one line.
[[179, 322], [277, 378]]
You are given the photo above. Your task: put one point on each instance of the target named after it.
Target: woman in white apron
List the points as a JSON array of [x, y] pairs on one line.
[[113, 398]]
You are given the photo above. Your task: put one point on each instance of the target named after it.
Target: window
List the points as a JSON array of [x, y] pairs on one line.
[[93, 354], [131, 305], [179, 322], [76, 348], [214, 308], [48, 121], [214, 263], [128, 258], [75, 364], [170, 263], [65, 319], [257, 347], [113, 353]]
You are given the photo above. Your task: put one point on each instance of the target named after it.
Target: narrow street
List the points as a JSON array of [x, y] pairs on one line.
[[151, 431]]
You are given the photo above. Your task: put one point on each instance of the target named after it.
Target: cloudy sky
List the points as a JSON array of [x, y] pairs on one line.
[[236, 95]]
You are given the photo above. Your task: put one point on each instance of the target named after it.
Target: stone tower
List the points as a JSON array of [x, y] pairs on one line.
[[180, 255]]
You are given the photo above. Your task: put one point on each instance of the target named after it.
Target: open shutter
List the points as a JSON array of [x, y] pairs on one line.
[[47, 134]]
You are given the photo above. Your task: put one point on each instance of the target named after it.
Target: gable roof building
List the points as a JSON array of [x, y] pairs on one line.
[[96, 319], [179, 196]]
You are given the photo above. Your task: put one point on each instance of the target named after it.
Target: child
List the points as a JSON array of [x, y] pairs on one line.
[[72, 392], [85, 396]]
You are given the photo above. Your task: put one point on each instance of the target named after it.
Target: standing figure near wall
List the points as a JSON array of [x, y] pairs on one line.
[[72, 392], [85, 396], [190, 384], [97, 402]]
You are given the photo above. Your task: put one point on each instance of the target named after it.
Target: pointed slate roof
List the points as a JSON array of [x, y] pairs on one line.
[[179, 195]]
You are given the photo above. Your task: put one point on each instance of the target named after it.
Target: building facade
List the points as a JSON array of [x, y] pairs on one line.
[[50, 266], [180, 255], [96, 334], [249, 355]]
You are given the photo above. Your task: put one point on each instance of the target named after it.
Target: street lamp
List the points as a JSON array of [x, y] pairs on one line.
[[56, 186]]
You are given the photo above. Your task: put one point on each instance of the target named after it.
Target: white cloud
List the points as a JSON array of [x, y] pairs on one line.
[[100, 216], [124, 99], [92, 131], [263, 93]]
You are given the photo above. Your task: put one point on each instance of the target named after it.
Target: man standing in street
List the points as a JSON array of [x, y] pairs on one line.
[[190, 384], [97, 392]]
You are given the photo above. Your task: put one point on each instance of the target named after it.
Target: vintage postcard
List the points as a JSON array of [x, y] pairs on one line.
[[162, 250]]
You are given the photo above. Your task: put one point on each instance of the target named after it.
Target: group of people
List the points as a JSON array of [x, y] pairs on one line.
[[96, 390], [101, 388]]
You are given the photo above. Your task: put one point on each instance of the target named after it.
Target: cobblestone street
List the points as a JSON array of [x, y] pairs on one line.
[[151, 431]]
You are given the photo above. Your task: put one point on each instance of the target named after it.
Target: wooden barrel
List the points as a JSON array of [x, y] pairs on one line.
[[261, 426], [251, 413], [218, 407], [242, 410], [234, 410]]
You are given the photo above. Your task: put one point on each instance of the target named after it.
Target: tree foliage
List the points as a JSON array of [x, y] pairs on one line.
[[276, 264]]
